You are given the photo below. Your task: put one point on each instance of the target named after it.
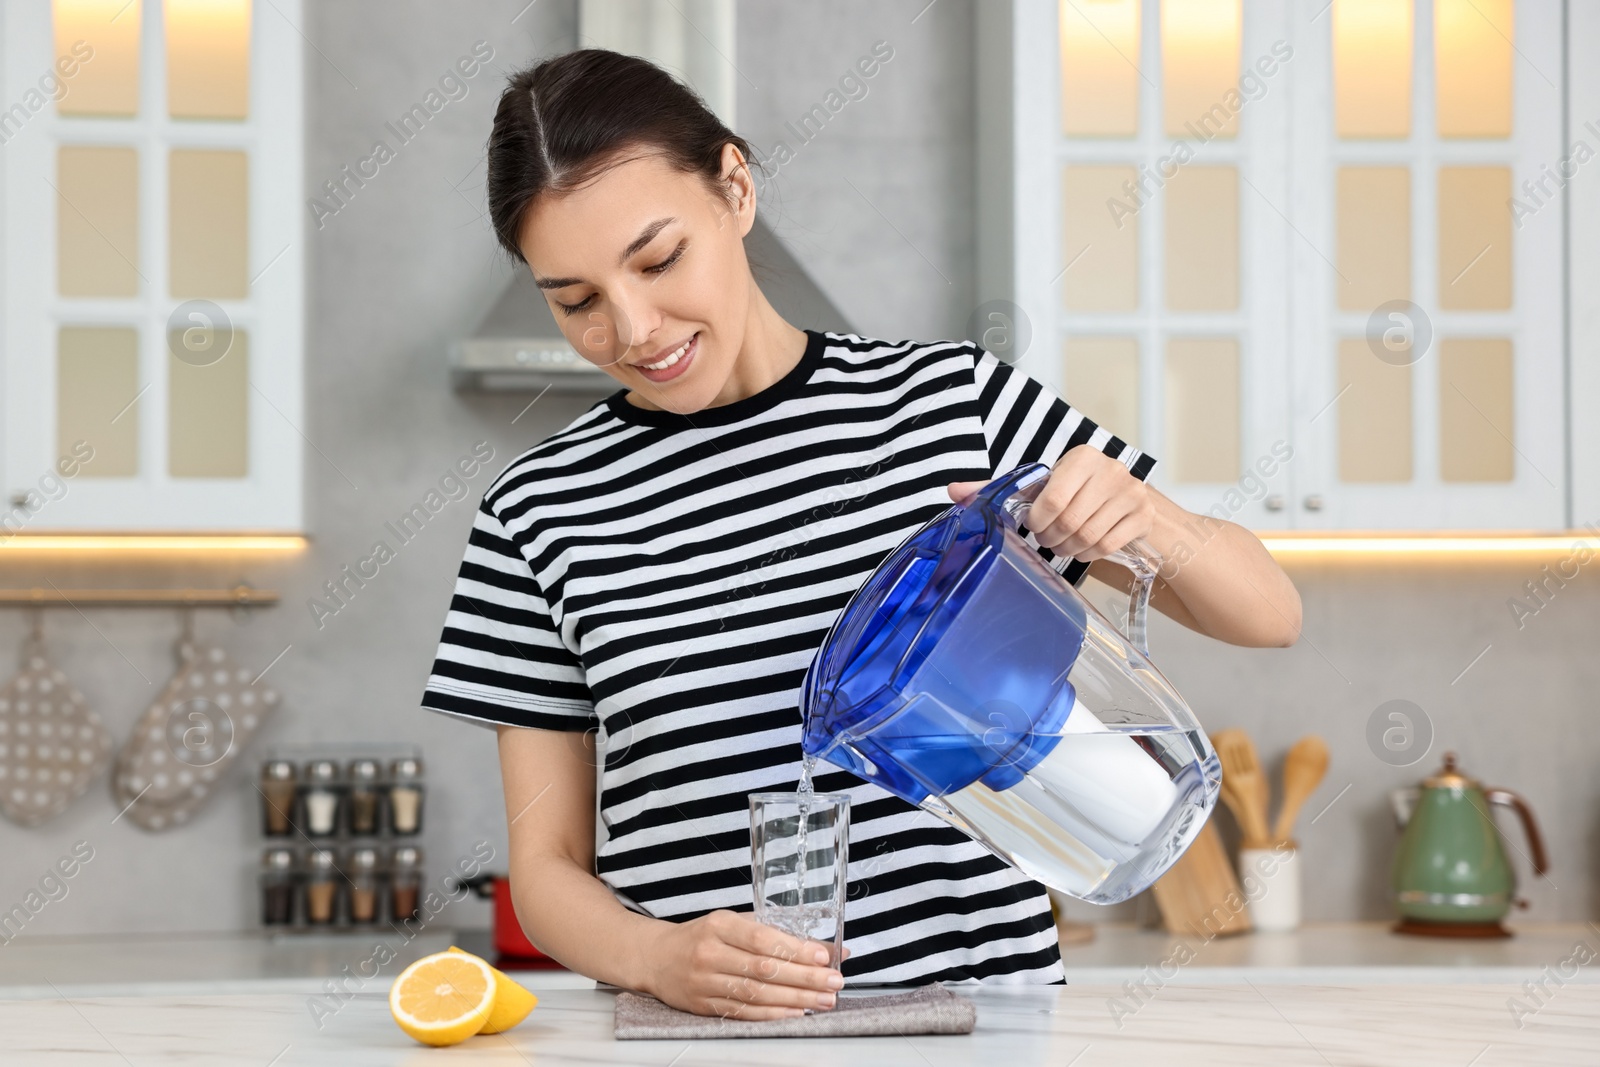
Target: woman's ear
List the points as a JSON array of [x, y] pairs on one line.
[[741, 187]]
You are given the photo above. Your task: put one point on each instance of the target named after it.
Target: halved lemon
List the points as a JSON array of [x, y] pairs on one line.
[[443, 999], [512, 1002]]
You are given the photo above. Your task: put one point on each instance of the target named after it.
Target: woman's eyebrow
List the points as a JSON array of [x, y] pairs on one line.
[[646, 235]]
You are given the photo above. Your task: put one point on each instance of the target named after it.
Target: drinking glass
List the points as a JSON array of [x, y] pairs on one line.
[[804, 899]]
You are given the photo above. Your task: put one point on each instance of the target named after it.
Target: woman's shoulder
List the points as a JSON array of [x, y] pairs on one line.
[[910, 348], [862, 352], [564, 454]]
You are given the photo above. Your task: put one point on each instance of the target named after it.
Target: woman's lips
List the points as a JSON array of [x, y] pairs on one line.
[[666, 374]]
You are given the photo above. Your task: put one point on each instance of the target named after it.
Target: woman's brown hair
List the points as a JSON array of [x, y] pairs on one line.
[[562, 121]]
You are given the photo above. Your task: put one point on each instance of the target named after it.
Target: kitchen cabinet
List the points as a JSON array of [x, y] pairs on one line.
[[1308, 255], [151, 216]]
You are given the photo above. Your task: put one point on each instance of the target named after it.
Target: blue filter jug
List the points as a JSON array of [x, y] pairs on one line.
[[967, 676]]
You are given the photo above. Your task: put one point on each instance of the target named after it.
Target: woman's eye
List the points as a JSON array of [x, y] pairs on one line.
[[659, 268], [667, 263]]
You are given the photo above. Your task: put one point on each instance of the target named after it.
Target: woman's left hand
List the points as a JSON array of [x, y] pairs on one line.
[[1090, 507]]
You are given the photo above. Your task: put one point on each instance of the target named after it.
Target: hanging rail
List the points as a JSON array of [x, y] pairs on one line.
[[238, 596]]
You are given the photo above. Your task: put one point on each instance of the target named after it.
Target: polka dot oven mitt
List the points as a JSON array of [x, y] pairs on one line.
[[51, 745], [188, 737]]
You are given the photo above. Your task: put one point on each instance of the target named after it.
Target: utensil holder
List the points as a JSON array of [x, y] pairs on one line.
[[1271, 881]]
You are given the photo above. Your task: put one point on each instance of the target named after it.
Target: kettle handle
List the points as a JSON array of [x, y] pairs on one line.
[[1014, 493], [1506, 798]]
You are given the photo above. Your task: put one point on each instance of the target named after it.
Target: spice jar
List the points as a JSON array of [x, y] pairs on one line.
[[322, 888], [319, 798], [362, 869], [405, 882], [361, 805], [277, 887], [405, 796], [277, 798]]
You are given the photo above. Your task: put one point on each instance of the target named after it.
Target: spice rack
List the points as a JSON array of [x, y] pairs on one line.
[[340, 824]]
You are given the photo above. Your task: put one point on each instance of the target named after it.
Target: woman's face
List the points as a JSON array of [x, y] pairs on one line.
[[641, 262]]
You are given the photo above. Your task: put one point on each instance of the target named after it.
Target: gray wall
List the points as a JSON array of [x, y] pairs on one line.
[[409, 264]]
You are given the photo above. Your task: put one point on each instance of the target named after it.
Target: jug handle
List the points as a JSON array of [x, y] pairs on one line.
[[1014, 494], [1145, 563], [1506, 798]]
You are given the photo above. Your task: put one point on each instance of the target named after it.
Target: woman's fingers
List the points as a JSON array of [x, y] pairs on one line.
[[751, 990], [758, 968], [959, 491], [1061, 490], [1084, 541], [762, 940]]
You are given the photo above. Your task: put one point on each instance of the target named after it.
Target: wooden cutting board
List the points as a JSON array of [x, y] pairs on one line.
[[1200, 895]]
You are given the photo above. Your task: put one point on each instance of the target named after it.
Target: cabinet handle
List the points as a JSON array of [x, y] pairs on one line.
[[1275, 502], [1314, 502]]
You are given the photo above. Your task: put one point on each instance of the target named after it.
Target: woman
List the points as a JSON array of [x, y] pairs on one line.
[[660, 571]]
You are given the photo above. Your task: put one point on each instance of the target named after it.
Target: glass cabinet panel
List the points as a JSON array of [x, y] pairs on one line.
[[1473, 43], [1202, 253], [1372, 68], [97, 221], [1202, 391], [1099, 68], [97, 379], [208, 250], [1474, 238], [1373, 219], [1476, 410], [1375, 430], [1101, 253], [208, 409], [1200, 68], [108, 83], [208, 59]]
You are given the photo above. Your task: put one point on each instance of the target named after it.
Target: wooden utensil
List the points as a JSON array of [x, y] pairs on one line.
[[1195, 894], [1241, 804], [1249, 789], [1302, 773]]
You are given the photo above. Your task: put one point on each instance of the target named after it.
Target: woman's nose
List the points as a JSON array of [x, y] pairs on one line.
[[638, 324]]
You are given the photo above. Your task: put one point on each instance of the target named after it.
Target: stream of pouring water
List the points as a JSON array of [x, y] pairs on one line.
[[807, 766]]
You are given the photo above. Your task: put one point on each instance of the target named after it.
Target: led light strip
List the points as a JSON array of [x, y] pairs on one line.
[[1441, 544], [114, 543]]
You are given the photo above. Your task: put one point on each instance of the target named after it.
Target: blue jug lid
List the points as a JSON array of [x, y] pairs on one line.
[[892, 625]]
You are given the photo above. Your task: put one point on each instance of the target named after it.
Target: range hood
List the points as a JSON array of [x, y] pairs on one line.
[[517, 346]]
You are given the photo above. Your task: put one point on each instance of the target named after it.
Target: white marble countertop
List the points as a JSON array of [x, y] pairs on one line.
[[1233, 1025], [1346, 952], [1330, 995]]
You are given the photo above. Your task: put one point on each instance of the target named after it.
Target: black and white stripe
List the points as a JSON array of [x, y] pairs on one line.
[[666, 579]]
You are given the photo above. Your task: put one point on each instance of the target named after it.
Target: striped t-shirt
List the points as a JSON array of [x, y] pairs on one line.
[[665, 579]]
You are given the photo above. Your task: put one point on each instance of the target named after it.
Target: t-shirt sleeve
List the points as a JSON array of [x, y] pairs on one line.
[[501, 659], [1025, 421]]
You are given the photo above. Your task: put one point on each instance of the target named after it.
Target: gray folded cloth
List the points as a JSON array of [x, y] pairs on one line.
[[929, 1009]]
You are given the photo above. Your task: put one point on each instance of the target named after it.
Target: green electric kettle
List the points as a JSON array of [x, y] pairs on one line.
[[1451, 874]]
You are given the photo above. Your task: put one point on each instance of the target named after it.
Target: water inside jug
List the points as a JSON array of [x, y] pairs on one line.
[[968, 677]]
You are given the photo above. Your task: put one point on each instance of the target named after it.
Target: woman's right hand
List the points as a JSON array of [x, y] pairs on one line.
[[727, 964]]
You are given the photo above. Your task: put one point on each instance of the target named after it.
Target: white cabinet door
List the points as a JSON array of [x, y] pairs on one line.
[[1148, 221], [1428, 348], [153, 267], [1210, 207]]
